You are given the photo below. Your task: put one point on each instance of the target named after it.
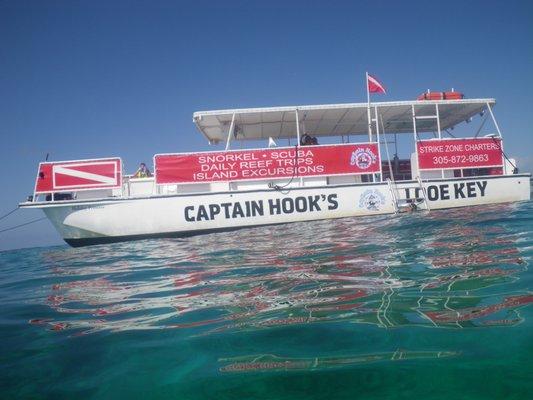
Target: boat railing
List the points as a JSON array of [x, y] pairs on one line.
[[273, 184], [146, 187]]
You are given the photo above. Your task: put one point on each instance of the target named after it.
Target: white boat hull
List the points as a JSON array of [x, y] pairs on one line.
[[109, 220]]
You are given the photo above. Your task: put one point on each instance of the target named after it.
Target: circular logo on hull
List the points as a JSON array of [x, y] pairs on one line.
[[371, 199]]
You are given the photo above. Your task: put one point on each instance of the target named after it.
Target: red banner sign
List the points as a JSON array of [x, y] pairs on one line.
[[79, 175], [459, 153], [361, 158]]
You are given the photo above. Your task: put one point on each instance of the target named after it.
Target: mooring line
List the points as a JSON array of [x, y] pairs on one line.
[[9, 213], [20, 225]]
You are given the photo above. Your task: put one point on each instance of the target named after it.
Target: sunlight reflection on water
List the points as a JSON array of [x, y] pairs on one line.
[[450, 269]]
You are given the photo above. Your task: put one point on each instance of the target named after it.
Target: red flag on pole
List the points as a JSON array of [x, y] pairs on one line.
[[374, 86]]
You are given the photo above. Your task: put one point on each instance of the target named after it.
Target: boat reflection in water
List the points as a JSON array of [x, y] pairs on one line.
[[414, 270], [268, 362]]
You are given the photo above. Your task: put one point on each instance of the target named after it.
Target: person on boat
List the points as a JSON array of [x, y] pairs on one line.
[[142, 172], [308, 140]]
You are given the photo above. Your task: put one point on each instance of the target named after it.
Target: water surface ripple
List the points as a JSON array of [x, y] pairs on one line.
[[428, 303]]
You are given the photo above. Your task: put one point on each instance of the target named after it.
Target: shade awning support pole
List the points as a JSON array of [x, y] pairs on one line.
[[298, 143], [368, 110], [501, 141], [494, 120], [230, 133], [297, 127], [415, 134], [437, 115]]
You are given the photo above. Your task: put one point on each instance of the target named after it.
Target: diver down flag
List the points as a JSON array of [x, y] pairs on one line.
[[79, 175]]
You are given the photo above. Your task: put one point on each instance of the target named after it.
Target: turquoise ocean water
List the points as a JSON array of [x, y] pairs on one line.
[[415, 306]]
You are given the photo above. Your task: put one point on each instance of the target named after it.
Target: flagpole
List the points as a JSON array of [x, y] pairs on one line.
[[368, 109]]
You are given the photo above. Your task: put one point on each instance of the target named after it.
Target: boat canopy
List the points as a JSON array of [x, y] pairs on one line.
[[336, 119]]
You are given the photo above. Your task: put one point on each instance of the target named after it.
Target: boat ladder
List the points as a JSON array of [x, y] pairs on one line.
[[394, 194], [403, 204]]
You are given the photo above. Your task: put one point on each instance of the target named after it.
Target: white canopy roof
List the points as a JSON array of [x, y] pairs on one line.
[[335, 119]]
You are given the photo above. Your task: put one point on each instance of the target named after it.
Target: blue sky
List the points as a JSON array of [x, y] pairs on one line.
[[83, 79]]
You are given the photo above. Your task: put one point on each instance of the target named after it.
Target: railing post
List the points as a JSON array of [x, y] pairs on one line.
[[230, 133]]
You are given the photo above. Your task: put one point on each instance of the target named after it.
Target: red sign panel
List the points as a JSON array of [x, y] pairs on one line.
[[361, 158], [459, 153], [79, 175]]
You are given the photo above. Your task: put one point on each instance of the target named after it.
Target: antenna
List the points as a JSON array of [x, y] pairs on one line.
[[47, 154]]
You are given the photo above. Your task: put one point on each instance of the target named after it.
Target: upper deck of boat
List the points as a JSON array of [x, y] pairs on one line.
[[337, 119]]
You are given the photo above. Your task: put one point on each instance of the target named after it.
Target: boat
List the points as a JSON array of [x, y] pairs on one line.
[[281, 177]]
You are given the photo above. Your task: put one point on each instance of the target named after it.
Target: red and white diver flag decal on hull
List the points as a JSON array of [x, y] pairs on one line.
[[374, 86], [84, 174]]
